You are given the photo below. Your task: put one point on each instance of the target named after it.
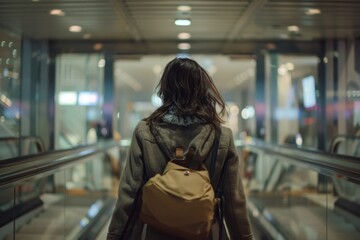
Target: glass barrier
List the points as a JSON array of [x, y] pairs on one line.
[[69, 204], [10, 58], [286, 199], [79, 100], [11, 147], [346, 145], [290, 200], [348, 192]]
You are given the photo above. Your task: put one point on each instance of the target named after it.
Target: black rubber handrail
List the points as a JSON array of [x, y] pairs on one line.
[[326, 163], [34, 166], [20, 168]]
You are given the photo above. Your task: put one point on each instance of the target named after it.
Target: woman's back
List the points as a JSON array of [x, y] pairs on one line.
[[187, 118]]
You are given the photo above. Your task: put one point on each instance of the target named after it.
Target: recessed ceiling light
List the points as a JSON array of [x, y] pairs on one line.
[[184, 8], [182, 22], [98, 46], [312, 11], [284, 36], [183, 55], [184, 46], [271, 46], [75, 28], [57, 12], [290, 66], [86, 36], [293, 28], [282, 70], [157, 69], [101, 63], [184, 35]]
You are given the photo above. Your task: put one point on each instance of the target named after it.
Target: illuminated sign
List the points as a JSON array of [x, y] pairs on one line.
[[88, 98], [67, 98]]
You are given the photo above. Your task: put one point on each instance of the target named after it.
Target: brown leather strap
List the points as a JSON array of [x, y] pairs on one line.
[[179, 153], [190, 161]]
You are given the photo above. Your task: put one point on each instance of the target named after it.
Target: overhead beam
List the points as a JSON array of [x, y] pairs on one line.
[[248, 47], [244, 18], [120, 9]]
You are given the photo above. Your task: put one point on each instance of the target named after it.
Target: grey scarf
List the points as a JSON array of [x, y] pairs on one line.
[[172, 118]]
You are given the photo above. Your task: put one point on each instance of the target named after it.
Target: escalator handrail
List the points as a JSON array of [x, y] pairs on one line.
[[20, 168], [324, 162]]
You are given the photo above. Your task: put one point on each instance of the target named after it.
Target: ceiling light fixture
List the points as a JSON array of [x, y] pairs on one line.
[[293, 28], [101, 63], [157, 69], [182, 22], [184, 8], [184, 35], [75, 28], [284, 36], [312, 11], [184, 46], [183, 55], [86, 36], [290, 66], [98, 46], [57, 12]]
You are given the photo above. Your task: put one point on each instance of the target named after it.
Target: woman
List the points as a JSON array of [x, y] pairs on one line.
[[187, 117]]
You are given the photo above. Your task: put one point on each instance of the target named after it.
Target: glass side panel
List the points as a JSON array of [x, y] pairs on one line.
[[79, 99], [79, 186], [292, 201], [74, 203], [14, 147], [348, 193], [346, 145], [88, 186], [291, 99], [7, 203], [40, 209], [9, 84], [9, 149]]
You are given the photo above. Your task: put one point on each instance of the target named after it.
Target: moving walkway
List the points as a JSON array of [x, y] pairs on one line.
[[293, 193], [297, 193], [64, 194]]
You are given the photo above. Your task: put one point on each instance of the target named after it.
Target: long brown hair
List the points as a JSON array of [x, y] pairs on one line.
[[187, 86]]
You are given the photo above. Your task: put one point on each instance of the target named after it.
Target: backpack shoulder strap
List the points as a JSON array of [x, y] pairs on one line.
[[214, 154], [166, 152], [218, 190]]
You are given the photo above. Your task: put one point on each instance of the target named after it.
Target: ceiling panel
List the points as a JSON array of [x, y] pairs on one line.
[[338, 19], [150, 22], [98, 19], [155, 19]]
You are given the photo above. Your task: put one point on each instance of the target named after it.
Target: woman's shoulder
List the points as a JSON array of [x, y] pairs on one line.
[[142, 131], [142, 126], [226, 131], [226, 136]]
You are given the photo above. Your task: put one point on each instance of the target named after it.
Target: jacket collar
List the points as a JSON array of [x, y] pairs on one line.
[[198, 136], [172, 118]]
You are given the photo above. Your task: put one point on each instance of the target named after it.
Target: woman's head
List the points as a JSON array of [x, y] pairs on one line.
[[187, 86]]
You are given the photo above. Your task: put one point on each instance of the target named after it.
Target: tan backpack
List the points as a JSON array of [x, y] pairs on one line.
[[181, 201]]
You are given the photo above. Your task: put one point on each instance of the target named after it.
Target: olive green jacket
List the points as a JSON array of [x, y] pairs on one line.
[[125, 223]]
